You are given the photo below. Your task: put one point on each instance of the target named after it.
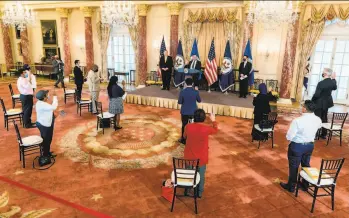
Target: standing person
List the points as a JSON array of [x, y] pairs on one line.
[[58, 69], [197, 143], [78, 78], [195, 63], [188, 98], [323, 96], [261, 107], [301, 135], [166, 65], [115, 93], [93, 81], [244, 71], [25, 88], [26, 67], [45, 119]]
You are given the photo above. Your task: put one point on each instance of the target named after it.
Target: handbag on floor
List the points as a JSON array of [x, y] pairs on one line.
[[167, 190], [44, 161]]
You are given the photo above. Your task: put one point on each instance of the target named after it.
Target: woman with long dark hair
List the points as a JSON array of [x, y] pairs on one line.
[[261, 106], [115, 93]]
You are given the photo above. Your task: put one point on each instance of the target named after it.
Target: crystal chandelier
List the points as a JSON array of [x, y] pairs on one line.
[[271, 13], [119, 13], [16, 15]]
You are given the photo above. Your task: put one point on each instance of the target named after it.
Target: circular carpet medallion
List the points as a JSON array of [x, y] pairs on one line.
[[143, 142]]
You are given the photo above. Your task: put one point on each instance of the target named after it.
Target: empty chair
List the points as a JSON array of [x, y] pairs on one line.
[[15, 97], [265, 129], [185, 175], [12, 114], [69, 93], [27, 145], [326, 180], [335, 127], [101, 116], [83, 103]]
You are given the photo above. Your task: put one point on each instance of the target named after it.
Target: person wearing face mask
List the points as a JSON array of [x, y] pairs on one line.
[[78, 79], [93, 81], [25, 88], [115, 93], [244, 71], [323, 96], [195, 63], [45, 119], [166, 65], [26, 67]]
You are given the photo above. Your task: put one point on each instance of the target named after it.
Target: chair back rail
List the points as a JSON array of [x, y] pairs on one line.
[[330, 169], [256, 83], [11, 89], [185, 168], [270, 119], [272, 83], [99, 108], [3, 105], [19, 138], [338, 119]]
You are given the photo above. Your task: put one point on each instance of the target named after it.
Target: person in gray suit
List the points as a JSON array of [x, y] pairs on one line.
[[58, 69]]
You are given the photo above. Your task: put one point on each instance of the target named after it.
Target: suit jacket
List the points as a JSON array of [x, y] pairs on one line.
[[93, 81], [168, 64], [245, 70], [323, 93], [56, 66], [78, 76], [197, 66], [261, 106], [188, 98]]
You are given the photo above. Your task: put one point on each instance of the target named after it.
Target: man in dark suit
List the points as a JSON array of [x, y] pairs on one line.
[[166, 65], [58, 69], [79, 79], [195, 63], [323, 96], [188, 98], [244, 71]]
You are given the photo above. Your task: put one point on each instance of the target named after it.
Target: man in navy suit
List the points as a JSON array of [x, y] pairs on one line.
[[188, 98]]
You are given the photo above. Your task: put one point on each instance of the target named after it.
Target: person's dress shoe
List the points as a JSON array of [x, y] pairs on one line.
[[30, 126], [118, 127], [286, 187], [163, 89], [51, 154], [182, 141], [56, 86]]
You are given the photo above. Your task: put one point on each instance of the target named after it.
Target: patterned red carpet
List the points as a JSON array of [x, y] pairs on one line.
[[119, 174]]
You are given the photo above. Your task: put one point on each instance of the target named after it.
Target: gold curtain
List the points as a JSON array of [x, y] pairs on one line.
[[204, 24], [103, 31], [311, 30], [133, 30]]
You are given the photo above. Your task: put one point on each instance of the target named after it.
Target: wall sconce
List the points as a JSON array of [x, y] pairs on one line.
[[267, 54]]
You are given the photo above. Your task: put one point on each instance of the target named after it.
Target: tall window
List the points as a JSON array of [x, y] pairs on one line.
[[121, 55], [332, 53]]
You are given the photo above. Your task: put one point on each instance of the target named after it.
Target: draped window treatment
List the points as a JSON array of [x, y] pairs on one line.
[[204, 24], [311, 30]]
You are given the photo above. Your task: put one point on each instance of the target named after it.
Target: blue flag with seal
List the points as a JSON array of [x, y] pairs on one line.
[[195, 51], [179, 66], [227, 77], [248, 53]]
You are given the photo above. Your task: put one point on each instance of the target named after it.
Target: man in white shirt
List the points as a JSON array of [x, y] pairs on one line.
[[45, 119], [26, 67], [25, 88], [301, 135]]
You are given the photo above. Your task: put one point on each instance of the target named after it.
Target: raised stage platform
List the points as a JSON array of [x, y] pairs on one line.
[[216, 102]]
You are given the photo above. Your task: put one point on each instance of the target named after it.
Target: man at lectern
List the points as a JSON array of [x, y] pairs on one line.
[[195, 63]]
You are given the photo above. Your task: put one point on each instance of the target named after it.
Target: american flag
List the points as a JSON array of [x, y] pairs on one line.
[[162, 49], [211, 66]]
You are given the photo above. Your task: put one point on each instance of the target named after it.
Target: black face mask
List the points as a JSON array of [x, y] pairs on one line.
[[323, 75], [244, 59]]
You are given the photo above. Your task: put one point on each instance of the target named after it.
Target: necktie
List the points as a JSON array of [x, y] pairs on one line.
[[193, 64]]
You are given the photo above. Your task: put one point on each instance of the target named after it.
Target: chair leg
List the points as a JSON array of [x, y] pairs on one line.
[[97, 123], [23, 158], [272, 140], [332, 196], [297, 186], [7, 123], [328, 138], [13, 103], [259, 143], [174, 198], [80, 110], [20, 154], [340, 138], [195, 200], [314, 199], [65, 99]]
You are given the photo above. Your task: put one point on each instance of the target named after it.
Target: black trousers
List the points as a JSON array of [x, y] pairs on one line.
[[243, 87], [322, 114], [78, 91], [46, 134], [298, 153], [60, 79], [185, 121], [166, 79], [27, 108]]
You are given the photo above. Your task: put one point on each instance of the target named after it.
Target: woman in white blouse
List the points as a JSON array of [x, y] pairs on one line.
[[93, 81]]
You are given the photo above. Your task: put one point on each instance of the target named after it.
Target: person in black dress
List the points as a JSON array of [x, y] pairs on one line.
[[115, 93], [261, 106], [166, 66], [79, 79]]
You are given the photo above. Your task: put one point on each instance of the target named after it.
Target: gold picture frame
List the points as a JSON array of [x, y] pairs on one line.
[[49, 32], [49, 52]]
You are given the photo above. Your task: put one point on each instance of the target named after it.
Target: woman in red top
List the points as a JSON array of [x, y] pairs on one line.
[[196, 135]]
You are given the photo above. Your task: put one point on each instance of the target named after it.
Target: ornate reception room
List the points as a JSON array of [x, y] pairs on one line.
[[174, 109]]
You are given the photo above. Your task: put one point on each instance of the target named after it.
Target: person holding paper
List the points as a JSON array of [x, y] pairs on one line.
[[244, 71], [166, 65], [45, 119], [301, 135], [115, 93]]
